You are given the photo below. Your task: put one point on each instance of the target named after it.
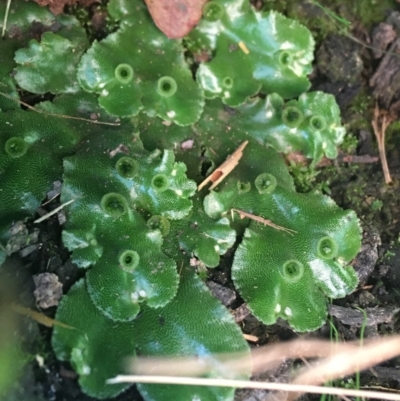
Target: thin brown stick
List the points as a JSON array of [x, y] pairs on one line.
[[259, 219], [380, 123]]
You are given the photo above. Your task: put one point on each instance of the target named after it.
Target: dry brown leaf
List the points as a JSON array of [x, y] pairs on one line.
[[175, 18], [225, 168]]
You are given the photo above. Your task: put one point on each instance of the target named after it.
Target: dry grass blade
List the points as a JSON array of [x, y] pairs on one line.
[[262, 359], [339, 359], [343, 363], [6, 18], [191, 381], [236, 363], [38, 316], [56, 210]]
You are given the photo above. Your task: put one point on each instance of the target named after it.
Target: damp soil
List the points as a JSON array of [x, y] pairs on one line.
[[360, 78]]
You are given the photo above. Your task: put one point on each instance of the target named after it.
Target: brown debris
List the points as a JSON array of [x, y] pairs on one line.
[[365, 261], [355, 318], [241, 313], [224, 294], [356, 159], [57, 6]]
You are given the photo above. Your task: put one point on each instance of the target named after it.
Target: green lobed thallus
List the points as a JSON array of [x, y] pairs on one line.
[[136, 223]]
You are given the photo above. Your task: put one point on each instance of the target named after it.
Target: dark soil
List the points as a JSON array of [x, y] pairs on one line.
[[359, 77]]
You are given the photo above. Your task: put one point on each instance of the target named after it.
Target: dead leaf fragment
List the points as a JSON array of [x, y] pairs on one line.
[[225, 168], [175, 18]]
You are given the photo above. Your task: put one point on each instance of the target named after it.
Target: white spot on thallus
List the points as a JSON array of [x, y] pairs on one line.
[[171, 114], [143, 293], [134, 297], [277, 308], [85, 370], [288, 311]]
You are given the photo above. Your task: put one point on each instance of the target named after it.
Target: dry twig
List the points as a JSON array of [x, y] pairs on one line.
[[381, 121], [28, 106], [265, 222], [56, 210]]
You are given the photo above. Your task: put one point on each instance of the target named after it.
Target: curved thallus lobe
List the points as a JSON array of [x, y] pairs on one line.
[[32, 147], [152, 75], [254, 52], [295, 248], [109, 229]]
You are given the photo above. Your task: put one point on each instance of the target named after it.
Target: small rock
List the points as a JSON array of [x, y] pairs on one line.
[[28, 250], [339, 60], [48, 290], [20, 237], [241, 313], [187, 144], [225, 295], [365, 298]]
